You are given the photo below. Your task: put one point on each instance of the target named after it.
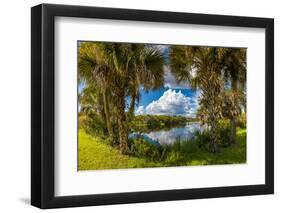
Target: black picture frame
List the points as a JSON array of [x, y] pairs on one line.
[[43, 102]]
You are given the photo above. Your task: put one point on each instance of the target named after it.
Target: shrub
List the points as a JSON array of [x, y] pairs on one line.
[[92, 124], [224, 136], [242, 121], [202, 138], [142, 148], [179, 151], [173, 157], [189, 146]]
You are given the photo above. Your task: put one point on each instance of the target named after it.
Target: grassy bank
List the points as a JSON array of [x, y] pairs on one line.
[[95, 154]]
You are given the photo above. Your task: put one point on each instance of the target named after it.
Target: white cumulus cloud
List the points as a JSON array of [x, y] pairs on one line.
[[171, 103]]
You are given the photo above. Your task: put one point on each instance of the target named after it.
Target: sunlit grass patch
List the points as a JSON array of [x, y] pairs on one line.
[[95, 154]]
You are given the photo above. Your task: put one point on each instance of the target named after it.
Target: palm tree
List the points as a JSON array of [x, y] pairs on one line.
[[234, 66], [91, 110], [200, 66], [94, 70], [134, 65]]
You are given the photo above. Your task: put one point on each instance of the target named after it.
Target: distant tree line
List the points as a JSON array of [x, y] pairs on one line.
[[148, 123]]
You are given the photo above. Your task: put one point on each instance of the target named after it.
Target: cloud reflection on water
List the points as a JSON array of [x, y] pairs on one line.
[[168, 137]]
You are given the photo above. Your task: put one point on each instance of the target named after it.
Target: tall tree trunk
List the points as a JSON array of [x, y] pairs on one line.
[[214, 134], [122, 123], [232, 138], [132, 104], [211, 95], [107, 115]]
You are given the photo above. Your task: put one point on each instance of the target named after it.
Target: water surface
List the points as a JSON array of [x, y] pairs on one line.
[[169, 137]]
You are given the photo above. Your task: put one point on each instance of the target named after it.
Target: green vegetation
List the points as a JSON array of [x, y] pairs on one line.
[[95, 154], [148, 123]]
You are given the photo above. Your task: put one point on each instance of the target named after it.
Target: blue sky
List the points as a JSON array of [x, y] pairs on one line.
[[175, 98]]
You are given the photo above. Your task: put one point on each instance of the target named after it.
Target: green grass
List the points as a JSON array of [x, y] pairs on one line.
[[95, 154]]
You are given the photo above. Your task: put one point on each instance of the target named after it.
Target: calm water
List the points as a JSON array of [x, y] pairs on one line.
[[170, 136]]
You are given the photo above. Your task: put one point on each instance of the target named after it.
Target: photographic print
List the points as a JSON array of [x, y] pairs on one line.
[[150, 105]]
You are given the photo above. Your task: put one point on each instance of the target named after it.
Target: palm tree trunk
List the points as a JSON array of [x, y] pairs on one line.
[[122, 123], [232, 138], [107, 115], [214, 136], [212, 94]]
